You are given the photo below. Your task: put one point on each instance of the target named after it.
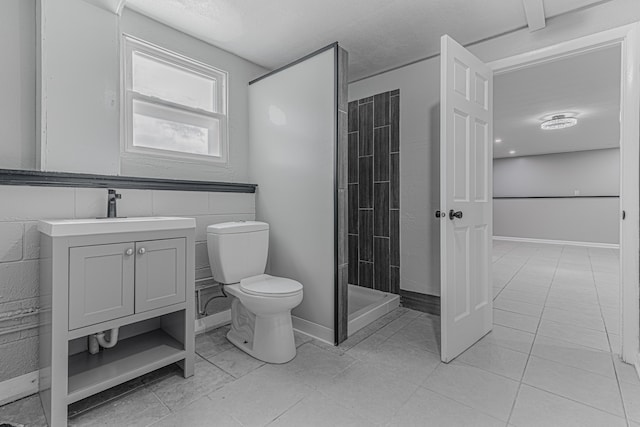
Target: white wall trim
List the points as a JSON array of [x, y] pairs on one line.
[[628, 38], [314, 330], [214, 321], [558, 242], [19, 387]]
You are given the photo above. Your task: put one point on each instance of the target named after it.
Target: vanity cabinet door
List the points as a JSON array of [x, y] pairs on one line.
[[160, 273], [101, 284]]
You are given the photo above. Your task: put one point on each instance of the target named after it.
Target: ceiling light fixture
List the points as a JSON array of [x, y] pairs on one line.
[[498, 140], [559, 121], [512, 152]]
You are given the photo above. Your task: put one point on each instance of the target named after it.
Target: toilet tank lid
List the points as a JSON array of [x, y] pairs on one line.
[[237, 227]]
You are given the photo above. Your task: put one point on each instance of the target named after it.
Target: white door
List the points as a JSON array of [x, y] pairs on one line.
[[466, 151]]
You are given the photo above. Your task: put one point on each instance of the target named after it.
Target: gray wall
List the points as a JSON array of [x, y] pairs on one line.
[[419, 84], [18, 84], [21, 207], [589, 173], [19, 247]]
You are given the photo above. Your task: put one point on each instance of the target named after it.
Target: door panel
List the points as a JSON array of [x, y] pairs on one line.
[[100, 283], [160, 273], [466, 153]]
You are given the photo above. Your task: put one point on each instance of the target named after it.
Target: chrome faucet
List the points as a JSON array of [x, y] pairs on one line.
[[111, 203]]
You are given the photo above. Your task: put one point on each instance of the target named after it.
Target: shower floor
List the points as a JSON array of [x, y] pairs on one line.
[[367, 305]]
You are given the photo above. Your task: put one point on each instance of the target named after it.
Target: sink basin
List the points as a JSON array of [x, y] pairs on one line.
[[82, 227]]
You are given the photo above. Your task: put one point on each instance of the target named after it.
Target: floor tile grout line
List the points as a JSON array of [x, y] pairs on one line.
[[612, 352], [575, 401], [526, 365]]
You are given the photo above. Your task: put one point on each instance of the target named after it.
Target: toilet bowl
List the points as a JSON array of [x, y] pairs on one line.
[[261, 307]]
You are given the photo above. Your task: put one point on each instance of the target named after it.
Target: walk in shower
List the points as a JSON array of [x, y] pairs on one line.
[[374, 208]]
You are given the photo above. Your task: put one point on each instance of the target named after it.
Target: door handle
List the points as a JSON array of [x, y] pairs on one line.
[[440, 214], [453, 214], [129, 252], [141, 251]]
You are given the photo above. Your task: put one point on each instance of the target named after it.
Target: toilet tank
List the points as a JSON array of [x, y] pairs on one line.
[[237, 250]]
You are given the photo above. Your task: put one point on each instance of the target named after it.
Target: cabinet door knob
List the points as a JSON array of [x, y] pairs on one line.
[[129, 252], [141, 251]]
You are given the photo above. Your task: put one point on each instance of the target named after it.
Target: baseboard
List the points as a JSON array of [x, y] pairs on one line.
[[18, 387], [212, 322], [314, 330], [558, 242], [420, 302]]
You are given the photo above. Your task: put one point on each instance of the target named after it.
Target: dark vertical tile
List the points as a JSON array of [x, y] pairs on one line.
[[353, 208], [381, 264], [366, 100], [394, 238], [394, 178], [381, 209], [354, 259], [343, 74], [353, 157], [365, 182], [353, 116], [381, 109], [395, 92], [343, 150], [365, 235], [366, 274], [381, 154], [365, 129], [394, 279], [395, 124]]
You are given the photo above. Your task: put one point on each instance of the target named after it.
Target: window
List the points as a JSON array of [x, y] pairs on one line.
[[174, 106]]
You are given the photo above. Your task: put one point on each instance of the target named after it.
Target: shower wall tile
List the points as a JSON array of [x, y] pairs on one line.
[[381, 154], [394, 178], [395, 123], [381, 109], [366, 274], [394, 237], [353, 157], [354, 209], [381, 209], [365, 129], [381, 264], [374, 192], [365, 182], [354, 259], [366, 235], [353, 116], [394, 280]]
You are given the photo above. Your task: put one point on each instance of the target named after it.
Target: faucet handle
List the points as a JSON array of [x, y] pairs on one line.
[[113, 193]]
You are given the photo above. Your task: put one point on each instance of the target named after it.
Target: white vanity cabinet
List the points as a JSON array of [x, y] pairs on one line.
[[134, 274]]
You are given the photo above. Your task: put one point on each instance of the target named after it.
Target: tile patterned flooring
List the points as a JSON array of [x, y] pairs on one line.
[[550, 361]]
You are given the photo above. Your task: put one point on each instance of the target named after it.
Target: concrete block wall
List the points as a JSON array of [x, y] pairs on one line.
[[22, 206]]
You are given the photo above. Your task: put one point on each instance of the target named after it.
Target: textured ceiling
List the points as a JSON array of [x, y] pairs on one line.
[[379, 34], [587, 84]]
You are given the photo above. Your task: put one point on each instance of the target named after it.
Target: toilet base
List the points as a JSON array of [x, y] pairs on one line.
[[272, 339]]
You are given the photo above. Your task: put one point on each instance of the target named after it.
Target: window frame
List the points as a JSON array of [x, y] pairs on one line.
[[132, 45]]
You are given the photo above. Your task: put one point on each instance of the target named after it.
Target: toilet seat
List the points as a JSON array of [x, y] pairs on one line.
[[270, 286]]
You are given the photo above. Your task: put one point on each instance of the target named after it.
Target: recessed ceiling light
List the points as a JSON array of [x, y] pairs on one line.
[[512, 152], [498, 140], [559, 121]]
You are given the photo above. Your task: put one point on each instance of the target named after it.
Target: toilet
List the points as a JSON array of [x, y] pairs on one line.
[[261, 306]]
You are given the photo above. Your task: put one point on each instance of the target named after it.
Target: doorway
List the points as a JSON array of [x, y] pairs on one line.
[[624, 40]]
